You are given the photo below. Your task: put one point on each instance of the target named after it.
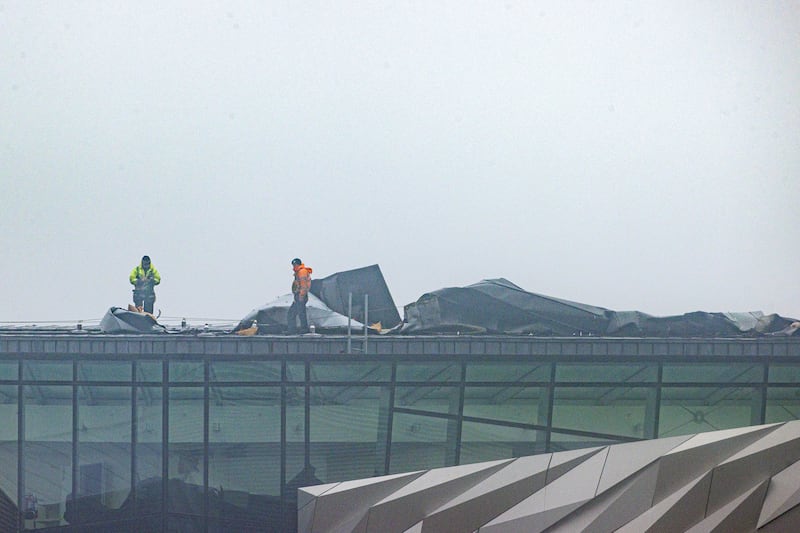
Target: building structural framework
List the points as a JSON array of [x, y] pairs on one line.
[[212, 433]]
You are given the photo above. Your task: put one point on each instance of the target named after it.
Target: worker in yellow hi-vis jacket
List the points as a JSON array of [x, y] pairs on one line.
[[144, 278]]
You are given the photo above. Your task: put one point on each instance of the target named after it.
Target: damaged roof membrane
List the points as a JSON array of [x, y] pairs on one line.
[[498, 306], [491, 306]]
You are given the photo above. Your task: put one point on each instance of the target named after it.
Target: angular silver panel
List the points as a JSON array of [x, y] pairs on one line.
[[783, 494], [731, 480]]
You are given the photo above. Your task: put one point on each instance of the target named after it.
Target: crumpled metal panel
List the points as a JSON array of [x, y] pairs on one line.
[[327, 305], [272, 316], [118, 320], [497, 306], [334, 291]]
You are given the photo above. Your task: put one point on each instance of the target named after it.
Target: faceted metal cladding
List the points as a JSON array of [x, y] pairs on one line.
[[746, 479]]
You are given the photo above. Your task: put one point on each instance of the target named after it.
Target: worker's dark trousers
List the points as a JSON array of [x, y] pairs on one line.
[[298, 310], [144, 299]]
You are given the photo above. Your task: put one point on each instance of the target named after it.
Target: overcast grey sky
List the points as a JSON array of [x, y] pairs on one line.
[[630, 155]]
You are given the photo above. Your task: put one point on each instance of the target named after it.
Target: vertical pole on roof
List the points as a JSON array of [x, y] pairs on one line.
[[366, 321], [349, 314]]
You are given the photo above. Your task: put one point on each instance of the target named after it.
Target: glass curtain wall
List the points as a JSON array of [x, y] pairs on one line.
[[187, 496], [148, 455], [244, 438], [47, 437], [783, 394], [223, 445], [103, 454], [506, 409], [9, 445], [701, 397]]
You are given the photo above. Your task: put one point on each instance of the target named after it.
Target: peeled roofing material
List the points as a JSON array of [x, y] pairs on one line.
[[272, 316], [118, 320], [500, 307], [328, 303], [335, 289]]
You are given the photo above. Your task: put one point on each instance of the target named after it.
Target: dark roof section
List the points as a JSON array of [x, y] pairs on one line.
[[334, 291], [497, 306]]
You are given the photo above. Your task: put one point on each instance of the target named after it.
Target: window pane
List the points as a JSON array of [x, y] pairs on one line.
[[512, 404], [8, 442], [605, 410], [8, 370], [784, 373], [421, 443], [149, 371], [104, 453], [605, 372], [186, 371], [508, 372], [47, 453], [560, 442], [428, 372], [47, 370], [185, 448], [486, 442], [295, 372], [298, 473], [688, 410], [434, 399], [348, 432], [149, 403], [351, 372], [783, 404], [245, 371], [104, 371], [244, 471], [712, 373]]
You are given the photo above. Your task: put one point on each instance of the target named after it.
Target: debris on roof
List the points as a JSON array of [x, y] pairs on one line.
[[791, 329], [328, 304], [498, 306], [368, 281], [118, 320], [491, 306], [271, 317]]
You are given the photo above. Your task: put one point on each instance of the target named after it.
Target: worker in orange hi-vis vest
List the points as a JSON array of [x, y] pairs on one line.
[[300, 287]]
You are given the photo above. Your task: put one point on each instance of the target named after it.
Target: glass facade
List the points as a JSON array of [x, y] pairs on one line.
[[197, 440]]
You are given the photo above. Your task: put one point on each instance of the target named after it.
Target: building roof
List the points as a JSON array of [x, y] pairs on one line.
[[491, 306]]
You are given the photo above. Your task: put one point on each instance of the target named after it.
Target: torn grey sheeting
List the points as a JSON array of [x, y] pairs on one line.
[[501, 307], [119, 320], [330, 301], [497, 306], [345, 292], [272, 316]]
